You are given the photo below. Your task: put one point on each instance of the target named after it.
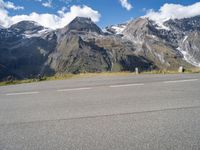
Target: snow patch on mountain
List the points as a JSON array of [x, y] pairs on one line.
[[188, 57], [119, 29], [116, 29], [160, 57], [161, 26], [40, 33]]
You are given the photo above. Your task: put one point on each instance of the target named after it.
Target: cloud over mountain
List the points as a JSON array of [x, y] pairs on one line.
[[173, 11], [53, 21]]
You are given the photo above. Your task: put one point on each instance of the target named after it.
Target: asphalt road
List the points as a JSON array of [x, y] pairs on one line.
[[145, 112]]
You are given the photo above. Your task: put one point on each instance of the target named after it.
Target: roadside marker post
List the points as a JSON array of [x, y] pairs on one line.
[[136, 70], [181, 69]]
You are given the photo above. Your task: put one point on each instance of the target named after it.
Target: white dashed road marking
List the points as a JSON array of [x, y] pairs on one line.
[[89, 88], [180, 81], [125, 85], [24, 93], [75, 89]]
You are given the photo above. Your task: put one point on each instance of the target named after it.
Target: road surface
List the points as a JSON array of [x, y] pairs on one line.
[[145, 112]]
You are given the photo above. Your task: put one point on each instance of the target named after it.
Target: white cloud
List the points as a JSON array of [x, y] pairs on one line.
[[47, 4], [173, 11], [53, 21], [125, 4], [81, 11], [62, 11], [4, 19], [9, 5]]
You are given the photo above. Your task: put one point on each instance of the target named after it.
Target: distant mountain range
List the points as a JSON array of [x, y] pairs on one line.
[[28, 49]]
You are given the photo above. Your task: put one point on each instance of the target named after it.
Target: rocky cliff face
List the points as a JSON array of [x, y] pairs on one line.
[[28, 49], [188, 31], [169, 47], [24, 49]]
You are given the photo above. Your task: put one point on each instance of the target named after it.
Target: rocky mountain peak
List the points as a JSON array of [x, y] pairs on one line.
[[82, 24], [137, 29], [138, 25], [24, 26], [83, 20]]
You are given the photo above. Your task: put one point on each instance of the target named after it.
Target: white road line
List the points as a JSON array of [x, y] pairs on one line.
[[24, 93], [180, 81], [125, 85], [75, 89]]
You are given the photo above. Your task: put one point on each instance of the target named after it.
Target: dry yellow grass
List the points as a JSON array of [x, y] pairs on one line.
[[65, 77], [17, 82], [88, 75], [194, 70]]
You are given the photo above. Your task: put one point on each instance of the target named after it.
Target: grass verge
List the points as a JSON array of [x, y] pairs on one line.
[[64, 77], [86, 75]]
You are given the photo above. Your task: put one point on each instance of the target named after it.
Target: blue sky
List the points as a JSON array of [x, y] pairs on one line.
[[111, 11]]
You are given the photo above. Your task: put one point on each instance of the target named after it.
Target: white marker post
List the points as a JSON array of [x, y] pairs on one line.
[[180, 70], [136, 70]]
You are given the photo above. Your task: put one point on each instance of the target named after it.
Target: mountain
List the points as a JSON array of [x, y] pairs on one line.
[[157, 45], [116, 29], [168, 47], [22, 53], [184, 25], [28, 49], [188, 31], [1, 27], [83, 47], [82, 25], [25, 26]]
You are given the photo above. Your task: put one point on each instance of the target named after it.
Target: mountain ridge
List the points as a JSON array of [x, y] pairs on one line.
[[28, 49]]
